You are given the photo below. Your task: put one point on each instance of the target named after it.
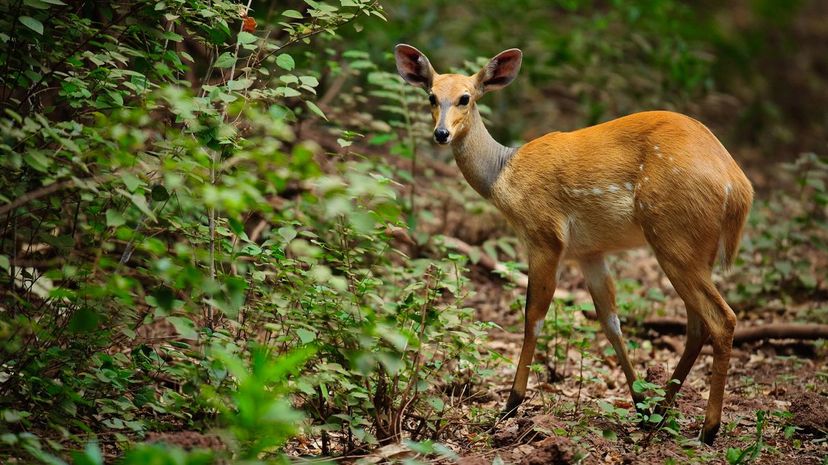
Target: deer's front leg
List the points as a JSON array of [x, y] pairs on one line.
[[543, 266]]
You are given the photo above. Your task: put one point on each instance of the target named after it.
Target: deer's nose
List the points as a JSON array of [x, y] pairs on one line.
[[441, 135]]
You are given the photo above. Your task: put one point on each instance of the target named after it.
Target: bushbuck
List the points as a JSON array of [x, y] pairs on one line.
[[654, 178]]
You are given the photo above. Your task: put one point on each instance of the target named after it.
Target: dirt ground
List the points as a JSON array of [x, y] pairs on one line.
[[788, 380]]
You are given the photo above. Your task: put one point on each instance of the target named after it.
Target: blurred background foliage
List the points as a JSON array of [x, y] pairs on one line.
[[201, 203]]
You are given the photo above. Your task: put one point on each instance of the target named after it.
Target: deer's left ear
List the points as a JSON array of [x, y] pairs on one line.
[[500, 70]]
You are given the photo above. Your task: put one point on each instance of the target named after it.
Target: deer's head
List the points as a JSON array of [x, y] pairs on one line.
[[453, 96]]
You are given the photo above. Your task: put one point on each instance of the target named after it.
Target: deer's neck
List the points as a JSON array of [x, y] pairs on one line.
[[480, 157]]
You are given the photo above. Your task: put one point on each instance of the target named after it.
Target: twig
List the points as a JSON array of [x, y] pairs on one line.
[[52, 188]]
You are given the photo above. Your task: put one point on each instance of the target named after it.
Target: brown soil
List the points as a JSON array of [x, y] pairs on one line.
[[552, 451], [187, 439], [810, 412]]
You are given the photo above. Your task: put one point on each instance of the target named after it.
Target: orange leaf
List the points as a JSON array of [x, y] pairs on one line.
[[248, 24]]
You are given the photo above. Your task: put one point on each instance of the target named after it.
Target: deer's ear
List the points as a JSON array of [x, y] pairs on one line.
[[500, 70], [413, 66]]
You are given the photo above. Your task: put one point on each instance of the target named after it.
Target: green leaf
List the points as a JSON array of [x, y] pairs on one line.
[[239, 84], [305, 335], [639, 386], [246, 38], [184, 327], [4, 262], [316, 110], [91, 455], [289, 79], [733, 455], [436, 403], [37, 160], [225, 60], [169, 35], [114, 218], [32, 24], [289, 92], [292, 14], [38, 4], [287, 233], [309, 81], [84, 321], [159, 193], [285, 62], [131, 182]]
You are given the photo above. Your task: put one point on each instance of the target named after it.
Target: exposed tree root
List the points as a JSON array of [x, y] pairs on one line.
[[800, 331]]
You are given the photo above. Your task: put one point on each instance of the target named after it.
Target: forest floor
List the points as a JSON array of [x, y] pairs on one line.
[[782, 378], [563, 420]]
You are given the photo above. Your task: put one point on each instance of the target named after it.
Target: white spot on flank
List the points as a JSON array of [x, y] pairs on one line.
[[597, 191], [538, 327], [646, 178], [612, 188], [628, 185], [641, 167], [728, 189], [655, 147], [671, 158], [614, 325]]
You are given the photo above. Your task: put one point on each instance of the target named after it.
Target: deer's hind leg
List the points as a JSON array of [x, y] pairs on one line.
[[697, 336], [688, 262]]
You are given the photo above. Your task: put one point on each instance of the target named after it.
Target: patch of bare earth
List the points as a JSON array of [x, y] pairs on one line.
[[561, 421]]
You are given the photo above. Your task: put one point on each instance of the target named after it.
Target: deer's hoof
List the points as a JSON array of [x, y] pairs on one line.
[[708, 433]]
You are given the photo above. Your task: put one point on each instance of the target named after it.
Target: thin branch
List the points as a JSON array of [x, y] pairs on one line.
[[52, 188]]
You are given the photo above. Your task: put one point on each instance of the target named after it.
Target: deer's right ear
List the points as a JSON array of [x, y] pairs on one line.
[[413, 66]]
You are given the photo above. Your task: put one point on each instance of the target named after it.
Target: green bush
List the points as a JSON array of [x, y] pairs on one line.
[[176, 256]]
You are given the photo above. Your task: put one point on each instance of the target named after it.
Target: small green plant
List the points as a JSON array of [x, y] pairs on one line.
[[738, 456], [652, 395]]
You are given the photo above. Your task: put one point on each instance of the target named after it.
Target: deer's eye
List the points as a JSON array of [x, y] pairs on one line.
[[432, 99], [464, 100]]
